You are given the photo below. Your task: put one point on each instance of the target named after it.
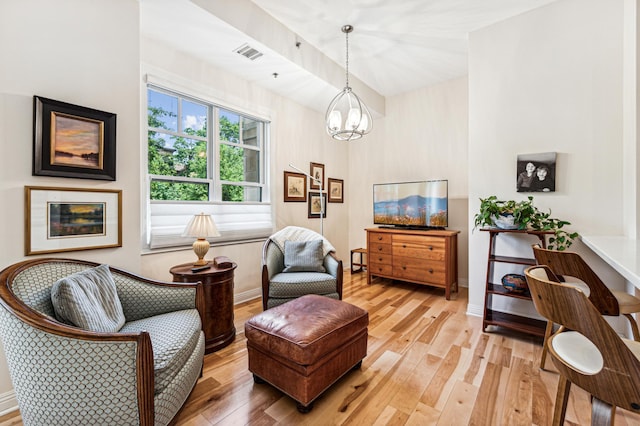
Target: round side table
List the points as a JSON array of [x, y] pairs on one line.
[[218, 326]]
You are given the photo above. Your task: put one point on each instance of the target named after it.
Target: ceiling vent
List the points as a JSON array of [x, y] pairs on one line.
[[248, 52]]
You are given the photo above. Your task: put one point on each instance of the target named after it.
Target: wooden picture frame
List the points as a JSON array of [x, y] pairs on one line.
[[295, 187], [316, 170], [69, 219], [335, 190], [73, 141], [314, 205]]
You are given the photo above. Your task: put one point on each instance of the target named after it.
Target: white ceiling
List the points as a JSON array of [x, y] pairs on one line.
[[397, 46]]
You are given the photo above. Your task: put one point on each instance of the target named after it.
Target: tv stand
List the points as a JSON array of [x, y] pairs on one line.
[[428, 257]]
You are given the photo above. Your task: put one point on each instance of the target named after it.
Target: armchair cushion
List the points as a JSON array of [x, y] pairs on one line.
[[296, 284], [89, 300], [174, 337], [303, 256]]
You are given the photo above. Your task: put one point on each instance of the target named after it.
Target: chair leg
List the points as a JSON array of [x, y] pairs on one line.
[[547, 334], [562, 396], [634, 327], [602, 414]]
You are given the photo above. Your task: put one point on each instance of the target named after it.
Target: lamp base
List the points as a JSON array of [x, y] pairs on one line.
[[200, 248]]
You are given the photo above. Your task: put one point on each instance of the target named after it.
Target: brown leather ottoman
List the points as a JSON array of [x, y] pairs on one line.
[[305, 345]]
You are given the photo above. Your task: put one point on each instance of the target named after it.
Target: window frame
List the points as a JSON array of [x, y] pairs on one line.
[[179, 212]]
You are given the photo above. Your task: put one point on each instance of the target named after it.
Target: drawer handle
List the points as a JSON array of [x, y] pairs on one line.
[[379, 259], [430, 247], [379, 248], [404, 267], [430, 271], [379, 238], [379, 269]]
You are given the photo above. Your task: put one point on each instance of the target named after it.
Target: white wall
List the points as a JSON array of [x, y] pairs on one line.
[[424, 135], [549, 80], [77, 58]]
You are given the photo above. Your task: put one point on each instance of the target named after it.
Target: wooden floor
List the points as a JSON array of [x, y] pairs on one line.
[[428, 363]]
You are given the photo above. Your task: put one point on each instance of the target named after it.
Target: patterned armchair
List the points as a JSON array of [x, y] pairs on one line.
[[279, 286], [62, 374]]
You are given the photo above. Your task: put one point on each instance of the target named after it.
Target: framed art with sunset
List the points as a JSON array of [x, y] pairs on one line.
[[73, 141]]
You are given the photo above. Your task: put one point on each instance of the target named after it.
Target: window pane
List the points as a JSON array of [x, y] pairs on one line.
[[229, 126], [177, 156], [239, 165], [194, 119], [239, 193], [179, 191], [162, 110], [250, 131]]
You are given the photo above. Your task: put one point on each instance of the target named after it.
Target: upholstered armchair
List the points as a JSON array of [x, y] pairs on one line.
[[62, 374], [290, 269]]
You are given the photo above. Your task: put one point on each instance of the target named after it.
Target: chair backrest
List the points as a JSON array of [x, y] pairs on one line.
[[618, 382], [570, 264]]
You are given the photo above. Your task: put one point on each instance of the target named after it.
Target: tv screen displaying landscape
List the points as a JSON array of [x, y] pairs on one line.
[[411, 204]]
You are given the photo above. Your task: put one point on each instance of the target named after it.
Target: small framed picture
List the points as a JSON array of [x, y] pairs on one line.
[[536, 172], [295, 187], [317, 205], [73, 141], [336, 190], [69, 219], [317, 176]]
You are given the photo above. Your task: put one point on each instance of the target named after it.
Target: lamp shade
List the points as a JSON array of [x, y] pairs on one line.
[[201, 226]]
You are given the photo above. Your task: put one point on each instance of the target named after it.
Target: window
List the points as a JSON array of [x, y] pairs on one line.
[[203, 157]]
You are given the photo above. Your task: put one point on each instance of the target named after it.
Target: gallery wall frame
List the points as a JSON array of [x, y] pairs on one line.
[[295, 187], [73, 141], [69, 219], [315, 208], [335, 190], [316, 170]]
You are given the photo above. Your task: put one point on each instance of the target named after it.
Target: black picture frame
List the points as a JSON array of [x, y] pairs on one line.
[[313, 210], [73, 141]]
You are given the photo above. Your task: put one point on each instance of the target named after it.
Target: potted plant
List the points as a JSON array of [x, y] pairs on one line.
[[512, 214]]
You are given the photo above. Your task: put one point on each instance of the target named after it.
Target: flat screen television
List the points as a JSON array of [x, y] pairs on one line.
[[423, 204]]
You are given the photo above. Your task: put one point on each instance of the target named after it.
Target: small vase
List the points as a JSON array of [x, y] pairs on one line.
[[505, 221]]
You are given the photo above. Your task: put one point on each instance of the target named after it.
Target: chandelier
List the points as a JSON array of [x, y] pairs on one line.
[[347, 117]]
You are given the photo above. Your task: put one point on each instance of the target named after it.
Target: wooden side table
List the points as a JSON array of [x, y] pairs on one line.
[[218, 326]]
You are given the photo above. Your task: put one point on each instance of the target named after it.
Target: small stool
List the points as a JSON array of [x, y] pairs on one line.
[[361, 264], [305, 345]]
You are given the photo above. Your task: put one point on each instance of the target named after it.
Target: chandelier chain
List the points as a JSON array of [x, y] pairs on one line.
[[347, 64]]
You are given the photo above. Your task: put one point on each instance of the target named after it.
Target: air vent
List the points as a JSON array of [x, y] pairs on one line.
[[248, 52]]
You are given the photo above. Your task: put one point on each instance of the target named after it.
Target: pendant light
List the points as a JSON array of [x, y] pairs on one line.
[[347, 117]]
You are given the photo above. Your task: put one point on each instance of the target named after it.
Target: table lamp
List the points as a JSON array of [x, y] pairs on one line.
[[202, 227]]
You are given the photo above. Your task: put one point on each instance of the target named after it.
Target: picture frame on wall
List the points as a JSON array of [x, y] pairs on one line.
[[73, 141], [536, 172], [315, 207], [70, 219], [316, 170], [335, 190], [295, 187]]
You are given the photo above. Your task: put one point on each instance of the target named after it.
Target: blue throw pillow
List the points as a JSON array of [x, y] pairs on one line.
[[303, 256]]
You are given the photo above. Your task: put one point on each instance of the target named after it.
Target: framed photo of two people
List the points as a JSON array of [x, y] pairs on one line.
[[536, 172]]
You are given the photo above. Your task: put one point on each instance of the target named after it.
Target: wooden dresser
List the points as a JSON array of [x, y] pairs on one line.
[[427, 257]]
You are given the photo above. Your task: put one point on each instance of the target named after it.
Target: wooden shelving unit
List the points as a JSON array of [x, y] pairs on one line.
[[493, 289]]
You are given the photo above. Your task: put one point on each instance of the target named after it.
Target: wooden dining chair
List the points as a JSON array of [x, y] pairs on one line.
[[589, 354], [567, 266]]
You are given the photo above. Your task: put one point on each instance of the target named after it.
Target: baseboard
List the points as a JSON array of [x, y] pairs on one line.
[[245, 296], [475, 310], [8, 403]]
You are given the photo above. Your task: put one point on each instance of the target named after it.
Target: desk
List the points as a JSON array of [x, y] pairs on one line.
[[218, 326], [622, 253]]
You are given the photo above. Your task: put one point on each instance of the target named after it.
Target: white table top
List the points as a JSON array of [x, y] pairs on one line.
[[622, 253]]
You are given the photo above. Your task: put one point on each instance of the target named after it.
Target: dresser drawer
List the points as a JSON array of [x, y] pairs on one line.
[[378, 248], [380, 259], [411, 269], [379, 269], [419, 247], [379, 237]]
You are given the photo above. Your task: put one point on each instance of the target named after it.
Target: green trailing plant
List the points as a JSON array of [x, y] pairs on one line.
[[525, 216]]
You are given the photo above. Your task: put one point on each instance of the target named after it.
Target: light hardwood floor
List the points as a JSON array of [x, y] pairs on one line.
[[428, 363]]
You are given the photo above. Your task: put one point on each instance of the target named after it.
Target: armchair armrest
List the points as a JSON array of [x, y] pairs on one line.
[[333, 265]]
